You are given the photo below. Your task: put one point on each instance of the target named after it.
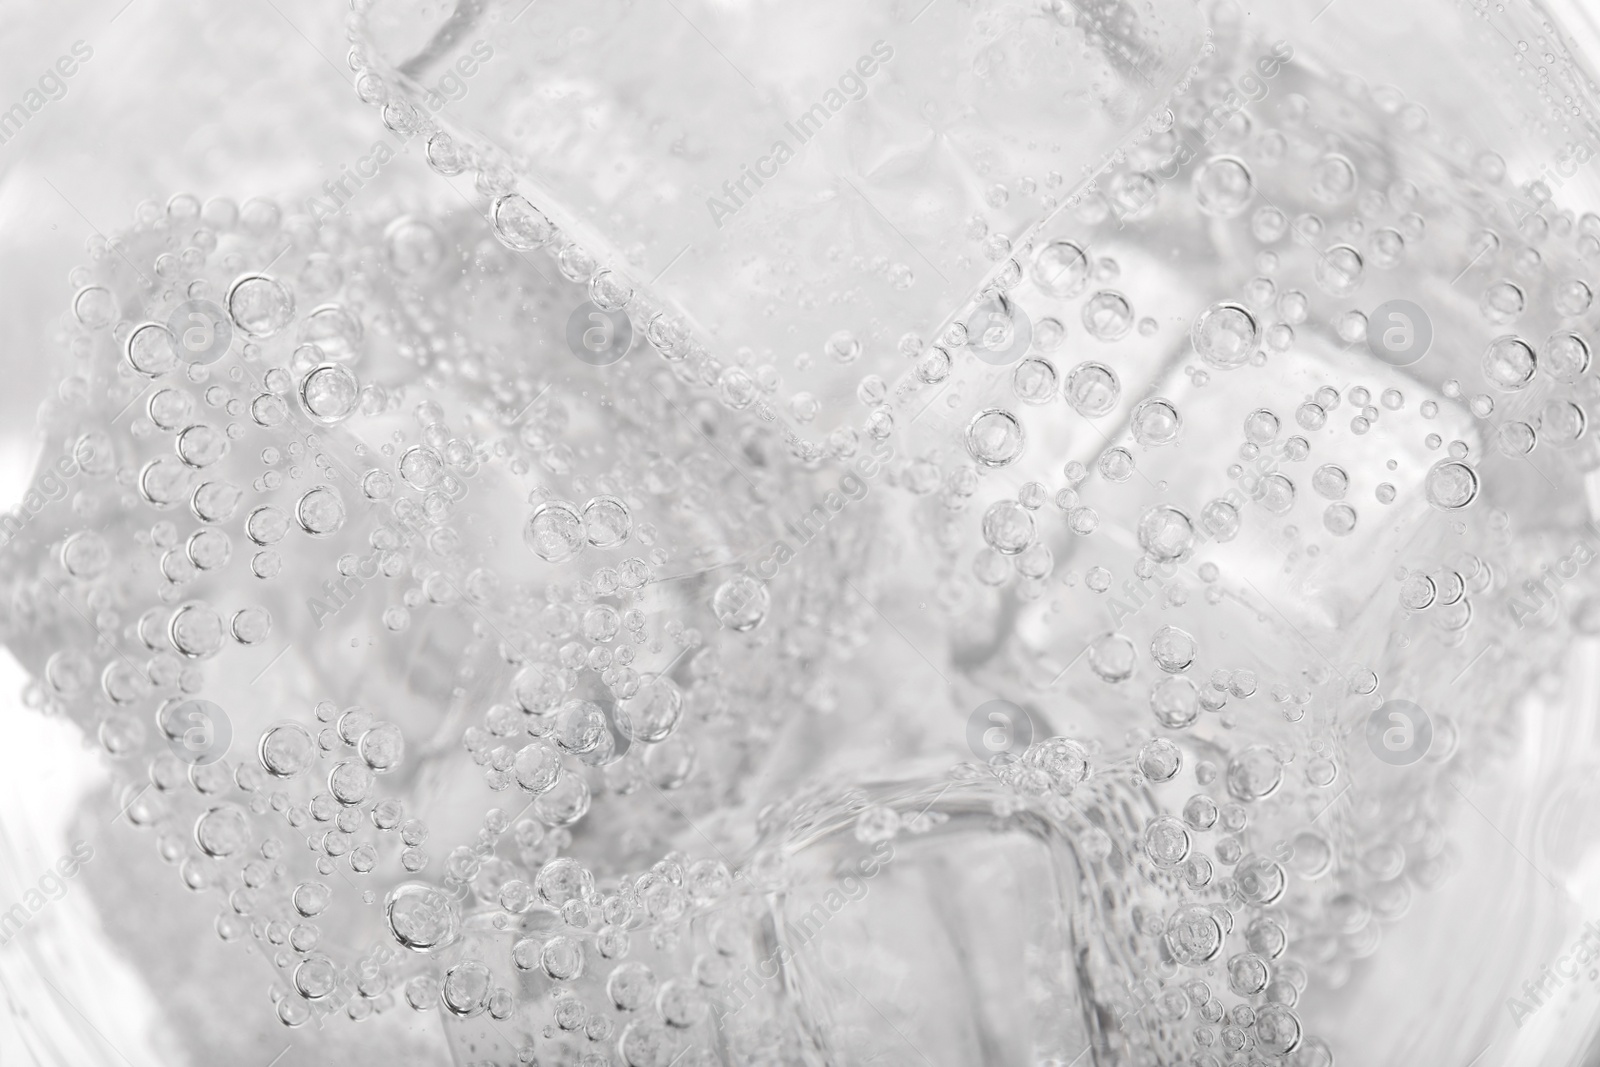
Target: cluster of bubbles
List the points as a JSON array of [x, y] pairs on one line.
[[260, 527], [398, 550]]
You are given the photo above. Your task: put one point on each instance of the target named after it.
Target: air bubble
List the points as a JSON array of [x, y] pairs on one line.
[[995, 438], [1107, 316], [1223, 187], [1509, 363], [519, 224], [1061, 269], [1092, 389], [329, 393], [1451, 485], [555, 531], [320, 512], [1112, 657], [1226, 335], [1156, 422], [260, 306], [1165, 533]]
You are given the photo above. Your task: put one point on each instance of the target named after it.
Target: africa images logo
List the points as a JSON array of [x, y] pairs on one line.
[[852, 86]]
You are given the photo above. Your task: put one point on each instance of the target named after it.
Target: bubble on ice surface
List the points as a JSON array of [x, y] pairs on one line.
[[201, 445], [1193, 935], [336, 331], [287, 750], [1261, 427], [1160, 760], [421, 467], [85, 554], [1092, 389], [1254, 774], [519, 224], [1259, 880], [1008, 528], [1225, 335], [1166, 842], [1035, 381], [1165, 533], [422, 918], [1279, 1031], [1562, 423], [329, 393], [320, 512], [1247, 974], [151, 350], [1220, 518], [1061, 269], [382, 746], [1173, 649], [1062, 759], [653, 712], [1223, 187], [555, 531], [1330, 481], [1451, 485], [537, 767], [1175, 701], [1156, 422], [1275, 493], [607, 522], [196, 630], [260, 305], [1502, 303], [995, 438], [1566, 358], [1339, 519], [215, 501], [95, 306], [222, 831], [742, 602], [1113, 657], [1200, 812], [1107, 315], [1340, 270]]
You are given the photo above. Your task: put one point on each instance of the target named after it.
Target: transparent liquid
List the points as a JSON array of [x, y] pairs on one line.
[[596, 688]]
